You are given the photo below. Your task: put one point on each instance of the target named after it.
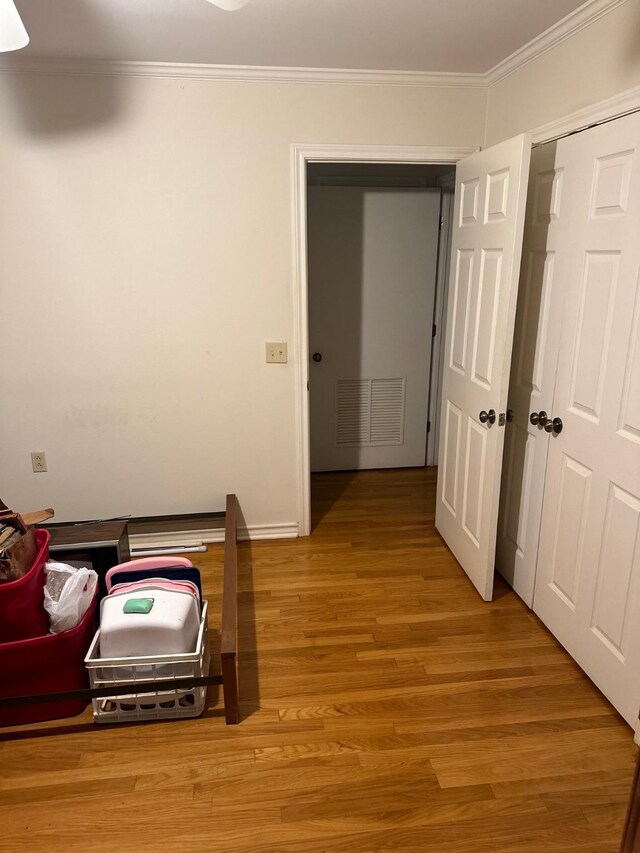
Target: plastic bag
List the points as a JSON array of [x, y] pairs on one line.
[[67, 594]]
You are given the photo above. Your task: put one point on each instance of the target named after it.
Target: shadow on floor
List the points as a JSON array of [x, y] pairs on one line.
[[326, 490], [501, 588]]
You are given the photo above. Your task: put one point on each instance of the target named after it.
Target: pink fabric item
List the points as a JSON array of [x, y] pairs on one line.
[[143, 564], [156, 583]]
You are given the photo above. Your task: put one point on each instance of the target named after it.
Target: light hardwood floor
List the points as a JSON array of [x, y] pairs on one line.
[[386, 708]]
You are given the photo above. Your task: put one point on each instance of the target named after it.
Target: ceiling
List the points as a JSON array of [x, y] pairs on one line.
[[405, 35]]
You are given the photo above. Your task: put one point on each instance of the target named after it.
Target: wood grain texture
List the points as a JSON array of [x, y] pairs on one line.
[[384, 707], [631, 835], [229, 619]]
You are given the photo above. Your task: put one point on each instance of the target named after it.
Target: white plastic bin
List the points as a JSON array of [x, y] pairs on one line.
[[145, 670], [163, 617]]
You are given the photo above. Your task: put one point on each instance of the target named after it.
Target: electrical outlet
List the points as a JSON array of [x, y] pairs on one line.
[[277, 353], [39, 461]]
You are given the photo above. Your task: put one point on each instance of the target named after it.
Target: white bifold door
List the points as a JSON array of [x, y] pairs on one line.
[[533, 366], [587, 587], [491, 189]]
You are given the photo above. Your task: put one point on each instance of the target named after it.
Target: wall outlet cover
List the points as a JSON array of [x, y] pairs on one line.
[[277, 353], [38, 461]]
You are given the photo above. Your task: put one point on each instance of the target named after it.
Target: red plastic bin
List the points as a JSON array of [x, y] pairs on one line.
[[49, 664], [22, 612]]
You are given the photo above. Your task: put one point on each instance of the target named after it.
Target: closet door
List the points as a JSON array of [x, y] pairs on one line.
[[588, 578], [533, 369], [491, 188]]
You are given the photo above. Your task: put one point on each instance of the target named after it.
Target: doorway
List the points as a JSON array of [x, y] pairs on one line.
[[373, 234], [363, 157]]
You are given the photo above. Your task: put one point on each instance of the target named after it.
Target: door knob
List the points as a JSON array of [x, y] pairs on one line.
[[317, 356], [487, 416], [554, 426], [538, 418]]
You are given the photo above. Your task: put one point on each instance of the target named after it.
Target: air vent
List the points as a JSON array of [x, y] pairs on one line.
[[370, 412], [354, 411]]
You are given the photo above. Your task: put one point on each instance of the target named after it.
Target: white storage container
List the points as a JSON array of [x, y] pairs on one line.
[[144, 671], [148, 621]]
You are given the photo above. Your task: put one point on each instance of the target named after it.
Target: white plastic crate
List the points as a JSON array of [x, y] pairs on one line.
[[171, 704]]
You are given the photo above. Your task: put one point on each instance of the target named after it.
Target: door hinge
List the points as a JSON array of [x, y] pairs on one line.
[[428, 426], [307, 384], [433, 330], [441, 224]]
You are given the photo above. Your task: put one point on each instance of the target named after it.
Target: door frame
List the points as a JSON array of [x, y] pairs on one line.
[[440, 320], [301, 155]]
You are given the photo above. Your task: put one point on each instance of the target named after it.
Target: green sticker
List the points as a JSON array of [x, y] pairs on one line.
[[138, 605]]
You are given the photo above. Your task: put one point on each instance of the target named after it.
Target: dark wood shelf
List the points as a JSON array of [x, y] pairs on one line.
[[104, 544]]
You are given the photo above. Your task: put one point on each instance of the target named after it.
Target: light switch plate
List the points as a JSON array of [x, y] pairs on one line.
[[277, 353]]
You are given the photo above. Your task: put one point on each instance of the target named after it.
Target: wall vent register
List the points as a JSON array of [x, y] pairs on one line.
[[370, 412]]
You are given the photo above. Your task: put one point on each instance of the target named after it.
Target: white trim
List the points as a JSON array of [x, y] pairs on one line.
[[609, 108], [206, 536], [162, 550], [381, 153], [241, 73], [582, 17], [301, 155], [440, 320], [299, 159]]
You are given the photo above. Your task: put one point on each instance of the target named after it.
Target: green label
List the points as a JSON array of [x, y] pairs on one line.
[[138, 605]]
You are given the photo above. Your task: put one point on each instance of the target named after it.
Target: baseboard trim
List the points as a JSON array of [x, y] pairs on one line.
[[209, 536]]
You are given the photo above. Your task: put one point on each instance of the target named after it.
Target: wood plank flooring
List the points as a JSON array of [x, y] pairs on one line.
[[387, 708]]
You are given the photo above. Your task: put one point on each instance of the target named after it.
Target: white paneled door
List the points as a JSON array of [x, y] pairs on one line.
[[588, 575], [491, 189], [533, 367]]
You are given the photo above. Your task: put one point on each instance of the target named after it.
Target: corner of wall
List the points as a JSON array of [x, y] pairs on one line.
[[598, 60]]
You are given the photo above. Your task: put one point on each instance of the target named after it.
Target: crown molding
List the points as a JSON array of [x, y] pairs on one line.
[[584, 16], [605, 110], [239, 73]]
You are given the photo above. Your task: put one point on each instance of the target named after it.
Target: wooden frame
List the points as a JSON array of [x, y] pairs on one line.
[[228, 645], [229, 632], [631, 834]]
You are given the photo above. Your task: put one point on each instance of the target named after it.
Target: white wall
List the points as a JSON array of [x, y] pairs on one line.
[[601, 60], [145, 258]]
